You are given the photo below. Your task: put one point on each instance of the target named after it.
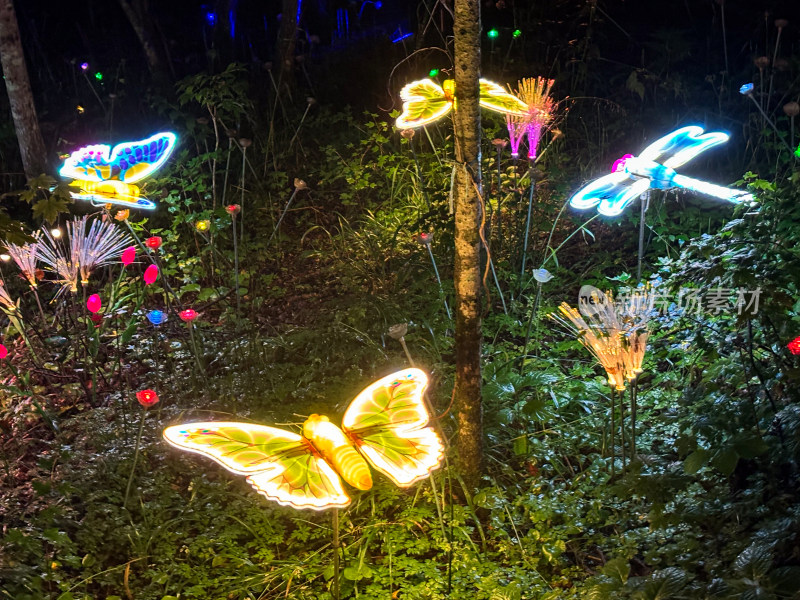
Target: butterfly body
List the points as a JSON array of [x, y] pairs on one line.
[[107, 175], [655, 168], [384, 426]]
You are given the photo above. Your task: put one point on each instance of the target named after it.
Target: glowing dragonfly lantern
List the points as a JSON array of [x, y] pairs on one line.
[[655, 168], [107, 176], [386, 425]]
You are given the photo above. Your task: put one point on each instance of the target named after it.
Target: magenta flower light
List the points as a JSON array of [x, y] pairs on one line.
[[94, 303], [150, 274]]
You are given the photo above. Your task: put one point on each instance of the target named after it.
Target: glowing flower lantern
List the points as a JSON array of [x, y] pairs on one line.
[[794, 346], [122, 215], [147, 398], [3, 351], [188, 315], [107, 176], [385, 426], [425, 101], [535, 93], [156, 317], [150, 274], [655, 168], [94, 303], [153, 242], [128, 255], [233, 209], [203, 226]]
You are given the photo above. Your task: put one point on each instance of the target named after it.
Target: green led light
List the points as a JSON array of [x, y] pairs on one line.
[[796, 152], [516, 33], [492, 34], [98, 76], [433, 72]]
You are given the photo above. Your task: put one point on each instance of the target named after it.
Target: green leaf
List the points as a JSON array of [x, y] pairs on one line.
[[663, 585], [618, 568], [48, 209], [750, 445], [521, 445], [725, 460], [695, 461], [129, 331], [754, 562]]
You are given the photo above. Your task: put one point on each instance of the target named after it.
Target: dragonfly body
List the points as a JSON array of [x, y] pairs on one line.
[[655, 168]]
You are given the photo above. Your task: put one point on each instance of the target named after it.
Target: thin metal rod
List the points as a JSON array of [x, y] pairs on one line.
[[613, 450], [439, 280], [527, 225], [634, 392], [283, 214], [644, 202], [236, 265], [335, 519], [497, 285], [622, 427]]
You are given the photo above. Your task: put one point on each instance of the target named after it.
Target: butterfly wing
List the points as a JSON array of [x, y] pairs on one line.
[[387, 423], [424, 101], [281, 465], [612, 192], [682, 145], [495, 98], [128, 162]]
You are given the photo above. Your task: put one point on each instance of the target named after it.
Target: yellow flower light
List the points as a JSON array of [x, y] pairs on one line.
[[203, 226]]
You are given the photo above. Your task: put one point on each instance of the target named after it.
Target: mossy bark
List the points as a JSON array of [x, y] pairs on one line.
[[20, 97], [467, 276]]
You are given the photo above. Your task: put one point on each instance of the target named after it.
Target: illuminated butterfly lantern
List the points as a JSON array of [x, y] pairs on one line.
[[655, 168], [425, 101], [107, 176], [386, 425]]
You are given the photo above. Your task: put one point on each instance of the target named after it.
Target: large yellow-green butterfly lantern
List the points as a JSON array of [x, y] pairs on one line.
[[425, 101], [386, 425]]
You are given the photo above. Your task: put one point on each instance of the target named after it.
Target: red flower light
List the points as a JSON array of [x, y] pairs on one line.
[[188, 315], [147, 398], [425, 239], [794, 345], [3, 351], [93, 303], [150, 274], [96, 319], [153, 242], [233, 209], [128, 255]]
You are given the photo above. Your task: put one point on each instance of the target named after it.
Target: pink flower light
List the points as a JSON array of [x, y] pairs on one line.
[[794, 345], [3, 351], [150, 274], [188, 315], [94, 303], [128, 255]]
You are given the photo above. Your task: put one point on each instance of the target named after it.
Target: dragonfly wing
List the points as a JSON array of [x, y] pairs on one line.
[[387, 422], [614, 205], [279, 464], [608, 186], [682, 145], [495, 98], [424, 101]]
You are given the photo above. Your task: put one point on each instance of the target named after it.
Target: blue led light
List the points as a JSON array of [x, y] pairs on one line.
[[401, 37], [655, 168], [211, 18], [746, 89], [156, 317]]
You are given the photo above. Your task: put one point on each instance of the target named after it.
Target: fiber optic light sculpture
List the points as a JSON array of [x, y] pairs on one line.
[[386, 425], [425, 101], [535, 94], [107, 176], [655, 168]]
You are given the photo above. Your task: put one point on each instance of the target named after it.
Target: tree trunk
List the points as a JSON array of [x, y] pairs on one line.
[[137, 13], [467, 118], [287, 39], [20, 97]]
